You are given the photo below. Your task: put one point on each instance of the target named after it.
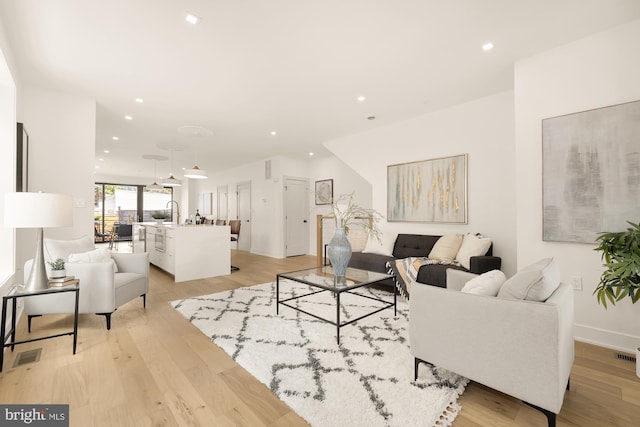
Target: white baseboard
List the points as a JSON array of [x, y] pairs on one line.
[[263, 253], [608, 339]]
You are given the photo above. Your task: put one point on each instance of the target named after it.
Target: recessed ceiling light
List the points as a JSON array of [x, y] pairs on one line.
[[361, 98], [101, 159], [273, 132], [97, 167], [128, 118], [106, 151], [139, 100], [311, 153], [487, 46], [115, 138], [191, 18], [371, 118]]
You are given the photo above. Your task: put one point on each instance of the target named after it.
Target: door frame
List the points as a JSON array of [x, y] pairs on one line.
[[285, 178]]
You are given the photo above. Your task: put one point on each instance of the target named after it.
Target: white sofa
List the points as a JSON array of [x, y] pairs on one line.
[[522, 348], [102, 290]]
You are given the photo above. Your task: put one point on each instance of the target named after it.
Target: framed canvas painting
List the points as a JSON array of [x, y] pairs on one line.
[[590, 173], [324, 192], [432, 190]]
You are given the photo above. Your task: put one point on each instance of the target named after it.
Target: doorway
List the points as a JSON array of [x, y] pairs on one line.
[[244, 215], [296, 216]]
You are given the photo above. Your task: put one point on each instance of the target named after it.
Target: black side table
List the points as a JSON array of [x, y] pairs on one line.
[[15, 293]]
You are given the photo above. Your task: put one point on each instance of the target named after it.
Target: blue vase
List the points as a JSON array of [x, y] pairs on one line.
[[339, 251]]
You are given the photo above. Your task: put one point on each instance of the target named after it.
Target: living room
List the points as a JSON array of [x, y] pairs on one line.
[[500, 132]]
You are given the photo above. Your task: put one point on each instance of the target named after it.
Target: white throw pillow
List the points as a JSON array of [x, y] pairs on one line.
[[96, 255], [446, 248], [535, 282], [384, 247], [488, 283], [55, 249], [472, 245], [358, 239]]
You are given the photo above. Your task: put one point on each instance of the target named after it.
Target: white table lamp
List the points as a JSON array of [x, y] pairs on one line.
[[38, 210]]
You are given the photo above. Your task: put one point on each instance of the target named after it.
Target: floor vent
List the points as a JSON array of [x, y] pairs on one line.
[[29, 356], [626, 357]]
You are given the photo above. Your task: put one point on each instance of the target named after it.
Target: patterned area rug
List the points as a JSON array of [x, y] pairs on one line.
[[367, 380]]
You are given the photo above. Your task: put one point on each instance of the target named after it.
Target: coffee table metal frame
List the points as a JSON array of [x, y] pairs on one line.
[[340, 285]]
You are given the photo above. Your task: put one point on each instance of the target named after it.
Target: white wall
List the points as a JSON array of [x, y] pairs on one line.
[[484, 130], [594, 72], [61, 131]]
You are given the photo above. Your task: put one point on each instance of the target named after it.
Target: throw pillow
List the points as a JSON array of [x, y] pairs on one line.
[[384, 247], [96, 255], [358, 239], [535, 282], [488, 283], [446, 248], [55, 249], [472, 245]]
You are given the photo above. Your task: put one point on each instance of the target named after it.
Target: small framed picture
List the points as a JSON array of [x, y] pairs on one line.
[[324, 192]]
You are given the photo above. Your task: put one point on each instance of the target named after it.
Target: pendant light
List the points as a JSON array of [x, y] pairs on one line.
[[155, 185], [171, 181], [195, 173]]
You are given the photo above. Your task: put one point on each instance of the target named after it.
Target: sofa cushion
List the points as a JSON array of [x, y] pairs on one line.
[[382, 247], [55, 249], [413, 245], [435, 274], [369, 261], [488, 284], [535, 282], [446, 248], [472, 245]]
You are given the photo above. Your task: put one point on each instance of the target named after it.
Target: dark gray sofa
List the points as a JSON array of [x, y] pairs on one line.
[[419, 245]]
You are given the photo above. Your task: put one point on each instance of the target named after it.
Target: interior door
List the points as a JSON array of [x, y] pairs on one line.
[[244, 215], [296, 216], [223, 211]]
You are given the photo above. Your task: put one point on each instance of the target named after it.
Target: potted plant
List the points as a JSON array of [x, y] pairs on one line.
[[347, 213], [159, 216], [621, 279], [621, 256], [57, 269]]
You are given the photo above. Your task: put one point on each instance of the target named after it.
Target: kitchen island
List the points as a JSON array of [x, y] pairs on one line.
[[189, 252]]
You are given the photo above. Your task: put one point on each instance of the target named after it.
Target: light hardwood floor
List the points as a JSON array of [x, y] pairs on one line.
[[155, 369]]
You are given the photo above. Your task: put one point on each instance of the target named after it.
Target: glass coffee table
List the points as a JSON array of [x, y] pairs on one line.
[[324, 280]]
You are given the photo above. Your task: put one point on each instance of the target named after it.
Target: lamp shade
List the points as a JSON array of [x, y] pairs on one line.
[[38, 210], [171, 182], [195, 173]]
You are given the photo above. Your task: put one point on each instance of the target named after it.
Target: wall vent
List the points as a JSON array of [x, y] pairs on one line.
[[267, 169], [25, 357], [626, 357]]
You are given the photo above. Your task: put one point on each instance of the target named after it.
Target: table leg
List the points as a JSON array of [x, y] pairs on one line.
[[277, 294], [2, 331], [395, 300], [338, 316], [75, 321], [14, 303]]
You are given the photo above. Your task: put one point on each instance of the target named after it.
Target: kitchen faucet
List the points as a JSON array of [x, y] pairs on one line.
[[177, 209]]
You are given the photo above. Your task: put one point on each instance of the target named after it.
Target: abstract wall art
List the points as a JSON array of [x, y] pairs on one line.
[[590, 172], [432, 190]]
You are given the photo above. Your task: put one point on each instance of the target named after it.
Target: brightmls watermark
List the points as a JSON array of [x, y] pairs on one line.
[[34, 415]]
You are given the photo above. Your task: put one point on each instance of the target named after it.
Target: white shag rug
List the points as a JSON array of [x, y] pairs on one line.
[[366, 381]]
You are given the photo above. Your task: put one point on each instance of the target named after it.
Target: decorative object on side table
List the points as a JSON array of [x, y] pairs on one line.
[[38, 210], [57, 269], [347, 213]]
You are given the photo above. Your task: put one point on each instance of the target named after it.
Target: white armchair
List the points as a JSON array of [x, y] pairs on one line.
[[102, 289], [522, 348]]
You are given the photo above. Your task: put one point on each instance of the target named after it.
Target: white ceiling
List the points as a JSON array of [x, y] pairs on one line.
[[296, 67]]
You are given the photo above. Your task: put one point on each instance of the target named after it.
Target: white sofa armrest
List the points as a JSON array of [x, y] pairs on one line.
[[132, 263], [522, 348]]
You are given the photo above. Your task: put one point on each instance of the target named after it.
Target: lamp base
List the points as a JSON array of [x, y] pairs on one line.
[[38, 280]]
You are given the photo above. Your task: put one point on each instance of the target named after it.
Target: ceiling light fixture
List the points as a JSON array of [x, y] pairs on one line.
[[191, 18], [155, 158], [106, 151], [361, 98], [195, 173], [487, 46], [115, 138], [273, 132], [139, 100], [311, 153], [128, 118], [171, 181]]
